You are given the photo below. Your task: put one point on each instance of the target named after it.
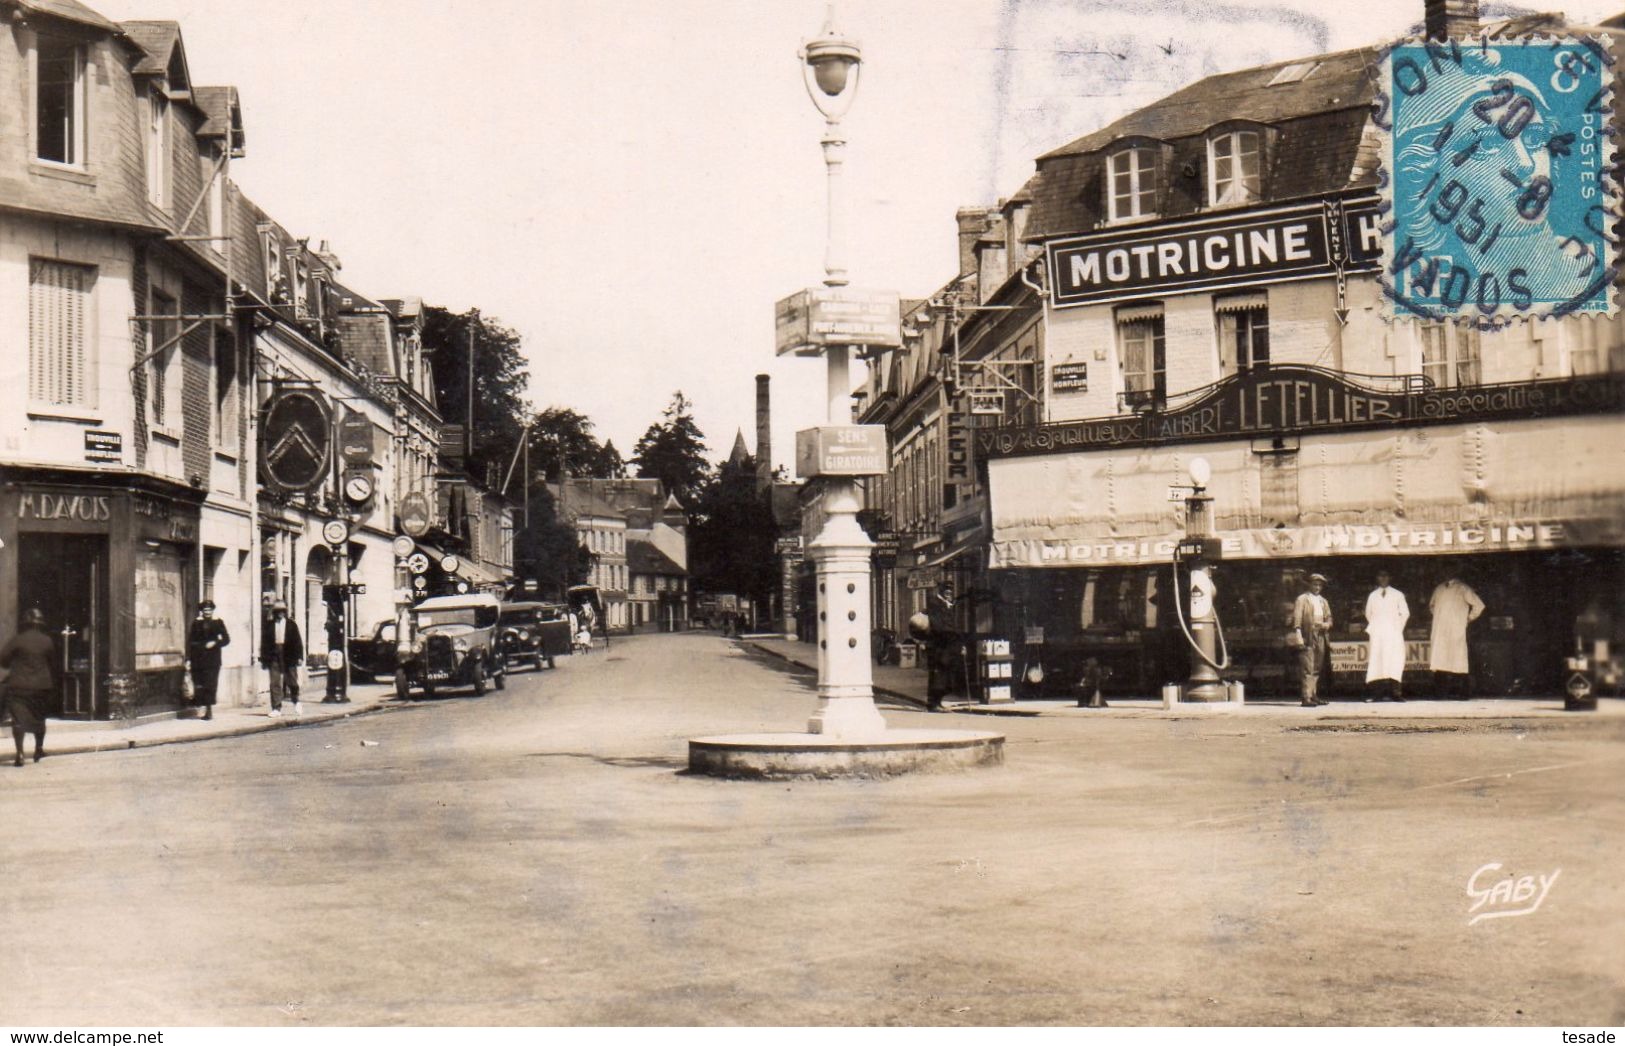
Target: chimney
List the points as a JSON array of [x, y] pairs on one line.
[[1451, 19], [973, 222], [764, 436]]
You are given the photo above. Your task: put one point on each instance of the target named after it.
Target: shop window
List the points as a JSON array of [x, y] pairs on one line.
[[160, 621], [1244, 333], [59, 342], [1596, 344], [157, 146], [1234, 162], [1450, 354], [163, 369], [1131, 184], [1142, 356], [59, 102]]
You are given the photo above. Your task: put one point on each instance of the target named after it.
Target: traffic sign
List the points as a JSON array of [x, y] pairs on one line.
[[449, 564], [403, 546], [335, 532], [416, 513], [418, 563]]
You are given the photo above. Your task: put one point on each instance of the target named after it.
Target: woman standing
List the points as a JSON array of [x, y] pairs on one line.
[[31, 657], [203, 642]]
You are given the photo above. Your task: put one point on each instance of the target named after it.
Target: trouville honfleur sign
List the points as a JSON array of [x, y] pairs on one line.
[[1211, 253], [1287, 399]]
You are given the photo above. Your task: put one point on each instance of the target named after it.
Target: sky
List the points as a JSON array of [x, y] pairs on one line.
[[632, 184]]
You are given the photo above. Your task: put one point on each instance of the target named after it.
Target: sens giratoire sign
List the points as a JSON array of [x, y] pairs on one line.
[[296, 441]]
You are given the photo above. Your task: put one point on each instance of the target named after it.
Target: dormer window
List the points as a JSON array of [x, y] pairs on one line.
[[1131, 190], [59, 102], [1234, 160]]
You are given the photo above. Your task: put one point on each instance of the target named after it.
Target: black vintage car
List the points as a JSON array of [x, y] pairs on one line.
[[454, 643], [533, 633], [374, 655]]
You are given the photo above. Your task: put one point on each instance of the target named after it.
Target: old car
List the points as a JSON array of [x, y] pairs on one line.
[[453, 643], [373, 655], [533, 633]]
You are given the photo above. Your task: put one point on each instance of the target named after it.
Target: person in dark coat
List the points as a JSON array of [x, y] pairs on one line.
[[282, 651], [941, 644], [203, 643], [31, 657]]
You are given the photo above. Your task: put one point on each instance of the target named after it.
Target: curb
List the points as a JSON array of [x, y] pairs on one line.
[[235, 731]]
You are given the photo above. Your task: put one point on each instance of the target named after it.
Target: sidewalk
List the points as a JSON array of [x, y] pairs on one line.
[[74, 736], [908, 684]]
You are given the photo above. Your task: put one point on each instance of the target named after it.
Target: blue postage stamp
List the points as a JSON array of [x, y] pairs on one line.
[[1497, 168]]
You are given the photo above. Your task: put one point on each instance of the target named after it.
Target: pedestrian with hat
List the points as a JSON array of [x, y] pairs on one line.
[[282, 651], [31, 658], [941, 644], [1311, 626], [204, 641]]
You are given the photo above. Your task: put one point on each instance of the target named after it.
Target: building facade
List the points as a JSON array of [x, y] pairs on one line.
[[1340, 442]]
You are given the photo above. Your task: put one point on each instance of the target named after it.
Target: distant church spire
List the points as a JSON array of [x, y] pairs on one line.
[[740, 453]]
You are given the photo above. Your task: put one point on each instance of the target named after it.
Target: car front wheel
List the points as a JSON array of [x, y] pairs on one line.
[[502, 679], [403, 686], [479, 679]]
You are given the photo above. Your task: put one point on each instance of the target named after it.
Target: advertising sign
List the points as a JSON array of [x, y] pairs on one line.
[[416, 514], [355, 438], [808, 321], [1287, 243], [841, 450], [986, 401], [296, 441]]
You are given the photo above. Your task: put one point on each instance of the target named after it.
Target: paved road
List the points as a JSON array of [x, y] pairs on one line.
[[535, 857]]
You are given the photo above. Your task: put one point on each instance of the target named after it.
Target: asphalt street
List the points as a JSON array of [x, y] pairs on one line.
[[537, 857]]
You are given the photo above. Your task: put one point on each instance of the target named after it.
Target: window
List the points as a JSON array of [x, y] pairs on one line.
[[1244, 333], [157, 147], [59, 342], [1143, 355], [1450, 354], [1595, 344], [1132, 184], [1233, 163], [226, 396], [1291, 74], [217, 202], [162, 371], [59, 102]]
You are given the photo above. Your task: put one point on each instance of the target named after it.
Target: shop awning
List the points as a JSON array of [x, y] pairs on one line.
[[1139, 313], [1449, 489], [1241, 302]]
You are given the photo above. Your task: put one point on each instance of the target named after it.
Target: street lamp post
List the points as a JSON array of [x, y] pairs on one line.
[[840, 551]]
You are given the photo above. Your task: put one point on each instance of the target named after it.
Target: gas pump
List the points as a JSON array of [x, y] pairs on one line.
[[1201, 628]]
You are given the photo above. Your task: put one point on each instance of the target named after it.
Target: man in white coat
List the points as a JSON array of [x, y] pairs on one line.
[[1454, 606], [1385, 615]]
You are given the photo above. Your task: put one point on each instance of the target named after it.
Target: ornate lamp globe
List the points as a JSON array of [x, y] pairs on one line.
[[831, 71]]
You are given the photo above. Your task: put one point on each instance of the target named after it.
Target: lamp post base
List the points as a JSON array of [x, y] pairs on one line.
[[847, 718]]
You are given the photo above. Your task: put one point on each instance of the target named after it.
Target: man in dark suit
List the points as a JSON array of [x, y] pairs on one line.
[[282, 650], [941, 644]]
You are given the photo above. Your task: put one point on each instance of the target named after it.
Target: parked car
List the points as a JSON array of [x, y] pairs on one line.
[[454, 643], [533, 633], [374, 655]]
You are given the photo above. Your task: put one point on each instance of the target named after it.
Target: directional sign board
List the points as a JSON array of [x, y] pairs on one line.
[[809, 321], [418, 563], [986, 401], [841, 450]]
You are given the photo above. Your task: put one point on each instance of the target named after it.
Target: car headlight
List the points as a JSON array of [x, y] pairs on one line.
[[524, 633], [460, 645]]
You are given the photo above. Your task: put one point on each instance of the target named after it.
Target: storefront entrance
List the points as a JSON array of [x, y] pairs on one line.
[[65, 576]]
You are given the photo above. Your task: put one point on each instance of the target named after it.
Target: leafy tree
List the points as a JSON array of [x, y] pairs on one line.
[[610, 464], [548, 549], [731, 542], [500, 376], [673, 451], [561, 440]]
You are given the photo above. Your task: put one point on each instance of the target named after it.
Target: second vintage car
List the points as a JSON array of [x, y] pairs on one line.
[[533, 633], [453, 643]]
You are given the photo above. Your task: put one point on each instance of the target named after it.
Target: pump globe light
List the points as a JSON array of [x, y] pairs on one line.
[[1200, 472]]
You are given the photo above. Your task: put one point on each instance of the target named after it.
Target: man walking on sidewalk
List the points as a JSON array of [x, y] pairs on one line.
[[282, 650]]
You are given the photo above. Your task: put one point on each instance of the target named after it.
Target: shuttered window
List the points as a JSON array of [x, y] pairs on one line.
[[59, 361]]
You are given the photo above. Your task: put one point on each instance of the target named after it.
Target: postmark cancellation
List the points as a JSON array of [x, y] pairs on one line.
[[1499, 194]]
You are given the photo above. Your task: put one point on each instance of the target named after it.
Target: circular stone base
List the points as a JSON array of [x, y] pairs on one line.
[[889, 754]]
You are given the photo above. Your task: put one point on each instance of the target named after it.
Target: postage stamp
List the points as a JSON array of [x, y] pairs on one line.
[[1497, 175]]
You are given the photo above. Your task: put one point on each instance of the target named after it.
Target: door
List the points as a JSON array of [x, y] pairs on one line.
[[65, 576]]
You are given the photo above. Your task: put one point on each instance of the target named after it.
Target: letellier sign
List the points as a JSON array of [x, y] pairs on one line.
[[809, 321], [841, 450]]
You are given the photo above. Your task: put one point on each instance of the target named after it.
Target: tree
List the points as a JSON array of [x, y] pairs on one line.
[[673, 451], [561, 441], [548, 549], [500, 377], [732, 539]]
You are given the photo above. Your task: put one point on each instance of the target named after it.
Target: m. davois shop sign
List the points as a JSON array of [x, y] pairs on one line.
[[1290, 243]]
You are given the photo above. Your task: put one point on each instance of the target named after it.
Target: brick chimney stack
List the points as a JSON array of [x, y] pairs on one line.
[[764, 436], [1451, 19], [973, 222]]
